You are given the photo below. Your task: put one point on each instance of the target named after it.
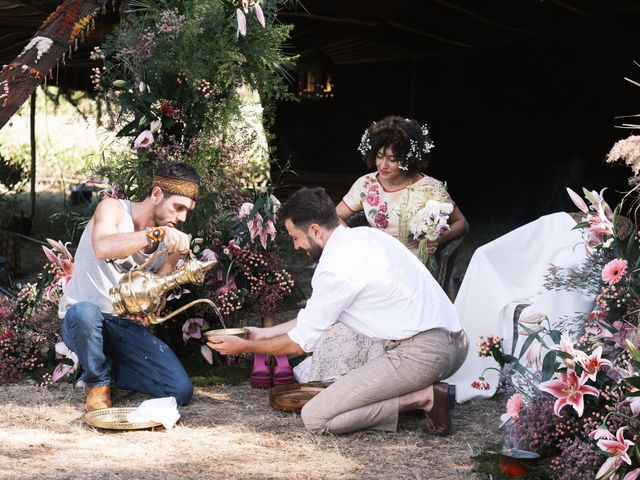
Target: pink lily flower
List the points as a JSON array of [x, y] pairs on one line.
[[600, 224], [600, 433], [191, 328], [63, 262], [245, 210], [208, 255], [270, 231], [255, 226], [259, 14], [242, 23], [569, 390], [532, 357], [592, 363], [143, 140], [632, 475], [634, 404], [578, 201], [62, 369], [618, 449]]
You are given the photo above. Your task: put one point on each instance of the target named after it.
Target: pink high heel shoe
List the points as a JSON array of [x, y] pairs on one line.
[[261, 372], [282, 372]]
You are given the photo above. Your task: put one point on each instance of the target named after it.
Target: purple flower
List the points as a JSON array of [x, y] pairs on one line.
[[191, 328]]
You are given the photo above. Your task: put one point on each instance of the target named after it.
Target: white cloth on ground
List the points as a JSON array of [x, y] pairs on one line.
[[163, 410], [509, 271]]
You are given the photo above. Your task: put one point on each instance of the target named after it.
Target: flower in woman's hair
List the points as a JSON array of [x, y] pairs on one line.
[[592, 363], [514, 405], [617, 448], [613, 271], [569, 389], [600, 433], [143, 140], [245, 210], [191, 328], [480, 384]]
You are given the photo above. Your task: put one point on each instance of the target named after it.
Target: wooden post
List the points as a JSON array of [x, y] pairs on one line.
[[32, 118]]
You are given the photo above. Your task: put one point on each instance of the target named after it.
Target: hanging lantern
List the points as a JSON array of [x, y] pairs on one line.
[[315, 79]]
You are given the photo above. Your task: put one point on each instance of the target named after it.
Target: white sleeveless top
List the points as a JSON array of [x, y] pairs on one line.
[[92, 278]]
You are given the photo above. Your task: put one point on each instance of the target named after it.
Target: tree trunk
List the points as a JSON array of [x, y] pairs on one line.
[[57, 37]]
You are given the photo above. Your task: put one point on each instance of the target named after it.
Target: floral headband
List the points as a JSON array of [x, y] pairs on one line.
[[416, 148]]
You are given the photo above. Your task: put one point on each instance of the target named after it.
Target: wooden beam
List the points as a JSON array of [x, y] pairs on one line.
[[56, 38], [481, 18]]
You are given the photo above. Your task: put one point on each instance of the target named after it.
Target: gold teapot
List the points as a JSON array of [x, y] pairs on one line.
[[140, 292]]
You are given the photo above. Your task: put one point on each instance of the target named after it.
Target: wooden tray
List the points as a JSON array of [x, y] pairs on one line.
[[291, 398]]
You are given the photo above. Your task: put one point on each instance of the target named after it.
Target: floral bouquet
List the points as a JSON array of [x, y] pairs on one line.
[[424, 215]]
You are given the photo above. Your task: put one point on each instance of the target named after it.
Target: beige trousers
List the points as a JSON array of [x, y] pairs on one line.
[[367, 397]]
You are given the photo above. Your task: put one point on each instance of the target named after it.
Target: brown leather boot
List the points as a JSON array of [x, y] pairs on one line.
[[98, 398], [444, 399]]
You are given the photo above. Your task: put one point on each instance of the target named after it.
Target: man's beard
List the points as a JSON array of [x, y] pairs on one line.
[[315, 250]]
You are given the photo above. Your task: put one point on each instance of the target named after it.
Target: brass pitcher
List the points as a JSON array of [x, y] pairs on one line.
[[140, 292]]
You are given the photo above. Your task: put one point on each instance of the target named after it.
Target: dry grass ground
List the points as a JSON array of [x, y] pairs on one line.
[[226, 432]]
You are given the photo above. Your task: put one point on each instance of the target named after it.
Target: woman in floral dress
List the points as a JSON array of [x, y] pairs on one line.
[[399, 149]]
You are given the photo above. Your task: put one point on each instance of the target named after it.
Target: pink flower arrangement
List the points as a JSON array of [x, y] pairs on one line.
[[614, 271]]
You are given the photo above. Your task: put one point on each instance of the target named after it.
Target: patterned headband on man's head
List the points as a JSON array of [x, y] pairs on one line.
[[176, 186]]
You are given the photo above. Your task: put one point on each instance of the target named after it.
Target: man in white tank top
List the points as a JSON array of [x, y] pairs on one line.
[[120, 236]]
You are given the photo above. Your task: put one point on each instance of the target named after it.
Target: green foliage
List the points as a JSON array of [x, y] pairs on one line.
[[13, 175], [179, 70]]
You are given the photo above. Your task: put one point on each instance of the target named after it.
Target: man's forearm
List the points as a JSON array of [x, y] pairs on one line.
[[280, 329], [280, 345], [120, 245]]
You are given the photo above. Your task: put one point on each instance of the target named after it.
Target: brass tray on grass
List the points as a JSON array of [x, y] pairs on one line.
[[116, 419], [237, 332], [291, 398]]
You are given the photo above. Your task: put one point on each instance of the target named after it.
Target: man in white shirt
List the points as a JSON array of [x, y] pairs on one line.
[[369, 281]]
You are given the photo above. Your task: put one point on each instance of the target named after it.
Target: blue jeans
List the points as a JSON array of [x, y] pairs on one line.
[[113, 348]]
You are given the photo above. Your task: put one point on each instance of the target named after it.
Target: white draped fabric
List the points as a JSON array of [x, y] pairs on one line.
[[505, 273]]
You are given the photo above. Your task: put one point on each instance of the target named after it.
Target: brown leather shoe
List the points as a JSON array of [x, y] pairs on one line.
[[444, 399], [98, 398]]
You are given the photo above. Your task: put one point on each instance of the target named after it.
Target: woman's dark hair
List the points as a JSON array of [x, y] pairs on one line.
[[410, 142], [310, 205]]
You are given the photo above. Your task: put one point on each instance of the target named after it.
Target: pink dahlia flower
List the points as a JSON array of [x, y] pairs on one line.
[[613, 271]]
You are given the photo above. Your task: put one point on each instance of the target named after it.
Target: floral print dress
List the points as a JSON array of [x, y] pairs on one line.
[[381, 206]]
